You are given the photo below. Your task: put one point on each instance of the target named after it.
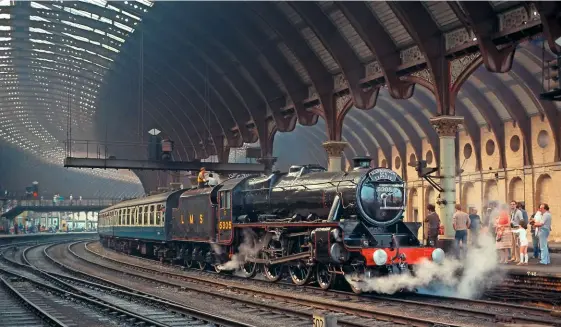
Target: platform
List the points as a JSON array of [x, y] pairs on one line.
[[534, 269], [7, 239]]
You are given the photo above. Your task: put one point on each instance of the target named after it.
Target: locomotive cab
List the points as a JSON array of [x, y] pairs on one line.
[[361, 163]]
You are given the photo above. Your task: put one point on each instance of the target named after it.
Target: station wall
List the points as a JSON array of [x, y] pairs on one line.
[[532, 184]]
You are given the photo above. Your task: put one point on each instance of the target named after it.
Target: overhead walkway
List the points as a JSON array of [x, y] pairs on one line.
[[60, 206]]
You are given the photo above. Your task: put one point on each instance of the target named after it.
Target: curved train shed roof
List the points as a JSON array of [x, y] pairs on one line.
[[216, 74]]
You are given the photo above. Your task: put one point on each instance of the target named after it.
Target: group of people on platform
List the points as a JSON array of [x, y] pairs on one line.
[[508, 224]]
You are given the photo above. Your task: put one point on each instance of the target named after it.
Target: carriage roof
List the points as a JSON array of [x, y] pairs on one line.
[[157, 198]]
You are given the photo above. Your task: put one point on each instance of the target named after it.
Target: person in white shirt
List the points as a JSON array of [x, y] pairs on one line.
[[211, 181], [536, 218], [520, 231]]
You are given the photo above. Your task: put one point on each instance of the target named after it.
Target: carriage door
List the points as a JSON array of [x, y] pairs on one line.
[[224, 214]]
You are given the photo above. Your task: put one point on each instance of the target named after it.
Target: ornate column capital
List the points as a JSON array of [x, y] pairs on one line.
[[446, 125], [334, 148]]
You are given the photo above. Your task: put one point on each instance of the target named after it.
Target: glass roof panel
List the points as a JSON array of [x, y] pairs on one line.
[[63, 58]]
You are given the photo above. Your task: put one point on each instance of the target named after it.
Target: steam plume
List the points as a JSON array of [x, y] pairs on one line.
[[250, 247], [479, 273]]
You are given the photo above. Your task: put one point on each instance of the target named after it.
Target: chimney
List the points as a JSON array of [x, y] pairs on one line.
[[361, 163]]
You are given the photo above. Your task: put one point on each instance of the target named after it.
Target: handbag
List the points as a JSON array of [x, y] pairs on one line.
[[499, 236]]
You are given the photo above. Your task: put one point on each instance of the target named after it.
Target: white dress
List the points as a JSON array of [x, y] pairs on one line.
[[521, 236]]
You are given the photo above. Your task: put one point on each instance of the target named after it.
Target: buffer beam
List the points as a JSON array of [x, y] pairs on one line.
[[162, 165]]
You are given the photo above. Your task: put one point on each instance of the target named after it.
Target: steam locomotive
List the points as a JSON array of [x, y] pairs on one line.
[[312, 223]]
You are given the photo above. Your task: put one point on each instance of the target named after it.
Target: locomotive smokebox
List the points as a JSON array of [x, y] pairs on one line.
[[361, 163]]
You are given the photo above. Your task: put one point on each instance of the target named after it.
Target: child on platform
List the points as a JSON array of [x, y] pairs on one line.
[[521, 231]]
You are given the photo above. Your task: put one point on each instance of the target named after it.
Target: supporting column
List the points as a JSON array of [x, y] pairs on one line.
[[334, 151], [269, 162], [447, 128]]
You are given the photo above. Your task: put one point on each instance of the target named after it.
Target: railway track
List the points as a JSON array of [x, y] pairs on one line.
[[284, 316], [516, 292], [464, 313], [119, 307], [22, 311], [517, 282]]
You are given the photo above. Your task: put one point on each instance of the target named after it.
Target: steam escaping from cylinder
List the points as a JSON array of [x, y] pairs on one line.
[[465, 278], [250, 247]]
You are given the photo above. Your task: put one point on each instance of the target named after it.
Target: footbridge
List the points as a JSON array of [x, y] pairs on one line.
[[19, 206]]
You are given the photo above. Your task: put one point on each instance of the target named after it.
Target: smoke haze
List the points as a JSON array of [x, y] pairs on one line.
[[249, 248], [465, 278]]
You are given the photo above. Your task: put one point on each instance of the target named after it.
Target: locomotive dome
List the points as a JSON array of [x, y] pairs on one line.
[[381, 197]]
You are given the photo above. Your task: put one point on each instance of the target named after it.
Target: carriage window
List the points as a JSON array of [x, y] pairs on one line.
[[134, 217], [141, 215], [129, 215], [163, 215], [158, 214], [145, 216], [151, 215]]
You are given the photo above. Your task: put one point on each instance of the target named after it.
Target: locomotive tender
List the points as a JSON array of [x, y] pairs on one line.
[[308, 221]]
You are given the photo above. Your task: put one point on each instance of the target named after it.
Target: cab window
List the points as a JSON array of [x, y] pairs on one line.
[[225, 200]]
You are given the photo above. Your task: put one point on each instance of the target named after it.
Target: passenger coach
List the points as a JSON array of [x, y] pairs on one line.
[[147, 218]]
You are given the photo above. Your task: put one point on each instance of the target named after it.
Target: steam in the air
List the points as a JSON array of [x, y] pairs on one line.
[[250, 247], [464, 278]]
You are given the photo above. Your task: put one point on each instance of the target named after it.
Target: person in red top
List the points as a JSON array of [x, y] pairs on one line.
[[504, 234]]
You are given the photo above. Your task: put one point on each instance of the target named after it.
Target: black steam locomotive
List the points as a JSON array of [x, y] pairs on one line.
[[308, 221]]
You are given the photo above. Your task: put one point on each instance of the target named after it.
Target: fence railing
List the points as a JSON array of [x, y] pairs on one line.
[[64, 203]]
